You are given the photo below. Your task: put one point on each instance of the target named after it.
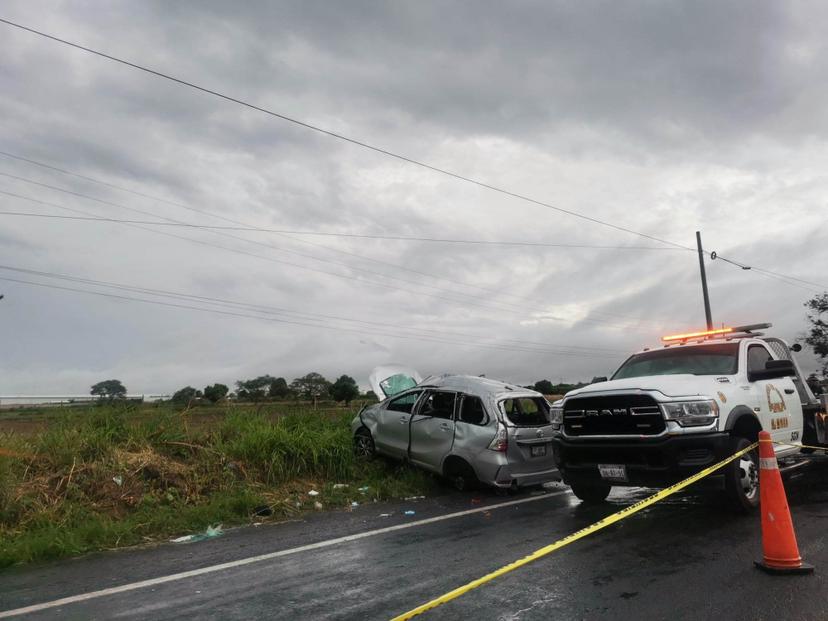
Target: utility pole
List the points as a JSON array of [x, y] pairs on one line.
[[704, 282]]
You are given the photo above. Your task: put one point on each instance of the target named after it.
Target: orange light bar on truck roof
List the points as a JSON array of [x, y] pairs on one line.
[[695, 335]]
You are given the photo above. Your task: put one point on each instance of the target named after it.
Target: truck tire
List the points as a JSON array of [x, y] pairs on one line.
[[742, 478], [592, 493]]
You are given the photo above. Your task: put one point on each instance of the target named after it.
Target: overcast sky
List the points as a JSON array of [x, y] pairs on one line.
[[661, 117]]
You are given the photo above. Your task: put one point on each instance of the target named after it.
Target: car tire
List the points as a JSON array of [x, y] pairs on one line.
[[462, 477], [364, 445], [742, 478], [592, 493]]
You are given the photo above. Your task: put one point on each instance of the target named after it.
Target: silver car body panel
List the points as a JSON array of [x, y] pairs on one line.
[[431, 438]]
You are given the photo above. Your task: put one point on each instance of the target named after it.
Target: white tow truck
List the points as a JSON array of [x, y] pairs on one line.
[[671, 411]]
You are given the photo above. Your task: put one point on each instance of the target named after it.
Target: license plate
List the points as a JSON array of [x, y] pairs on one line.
[[612, 472], [539, 451]]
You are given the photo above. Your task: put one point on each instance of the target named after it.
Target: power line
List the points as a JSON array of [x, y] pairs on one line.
[[468, 300], [332, 234], [288, 236], [488, 306], [339, 136], [291, 322], [357, 142], [272, 309]]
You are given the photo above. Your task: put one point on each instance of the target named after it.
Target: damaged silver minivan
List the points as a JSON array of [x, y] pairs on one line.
[[469, 429]]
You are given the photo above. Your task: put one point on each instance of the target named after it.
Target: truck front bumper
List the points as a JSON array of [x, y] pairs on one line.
[[655, 462]]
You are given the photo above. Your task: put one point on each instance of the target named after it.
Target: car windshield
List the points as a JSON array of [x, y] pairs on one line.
[[720, 359], [526, 411], [397, 383]]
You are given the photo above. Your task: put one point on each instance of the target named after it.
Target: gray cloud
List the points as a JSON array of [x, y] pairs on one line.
[[662, 117]]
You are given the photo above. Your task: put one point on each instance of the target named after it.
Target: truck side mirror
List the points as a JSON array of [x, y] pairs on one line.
[[773, 370], [796, 347]]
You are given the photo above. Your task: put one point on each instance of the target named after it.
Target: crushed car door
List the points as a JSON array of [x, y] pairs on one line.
[[432, 429], [390, 379], [394, 422]]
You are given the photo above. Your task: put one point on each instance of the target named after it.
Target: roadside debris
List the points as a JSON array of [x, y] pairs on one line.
[[363, 489], [119, 480], [386, 514], [415, 498], [476, 501], [340, 485], [313, 492], [317, 505], [212, 531], [354, 504], [409, 512], [263, 511]]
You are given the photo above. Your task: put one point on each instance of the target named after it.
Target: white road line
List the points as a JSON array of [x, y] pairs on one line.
[[262, 557]]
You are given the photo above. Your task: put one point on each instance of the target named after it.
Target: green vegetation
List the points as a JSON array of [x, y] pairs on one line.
[[109, 476]]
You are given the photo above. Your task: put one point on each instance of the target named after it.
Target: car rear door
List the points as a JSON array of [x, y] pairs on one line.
[[432, 428], [530, 434]]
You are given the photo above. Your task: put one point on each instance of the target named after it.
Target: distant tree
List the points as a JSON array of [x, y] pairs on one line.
[[216, 392], [254, 389], [279, 388], [344, 389], [311, 386], [371, 395], [544, 387], [186, 395], [817, 335], [109, 389]]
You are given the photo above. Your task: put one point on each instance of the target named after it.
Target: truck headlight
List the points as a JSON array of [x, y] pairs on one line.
[[556, 416], [691, 413]]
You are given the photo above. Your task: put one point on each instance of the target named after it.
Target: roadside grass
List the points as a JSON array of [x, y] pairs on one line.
[[106, 477]]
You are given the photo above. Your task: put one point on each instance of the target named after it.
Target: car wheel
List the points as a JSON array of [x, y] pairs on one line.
[[462, 477], [592, 493], [364, 445], [742, 478]]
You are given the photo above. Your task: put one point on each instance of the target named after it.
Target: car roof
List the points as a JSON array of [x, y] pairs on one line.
[[477, 386]]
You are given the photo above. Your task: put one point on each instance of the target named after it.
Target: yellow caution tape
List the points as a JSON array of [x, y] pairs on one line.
[[603, 523], [816, 448]]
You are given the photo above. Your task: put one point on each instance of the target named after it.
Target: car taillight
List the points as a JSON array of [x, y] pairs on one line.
[[501, 440]]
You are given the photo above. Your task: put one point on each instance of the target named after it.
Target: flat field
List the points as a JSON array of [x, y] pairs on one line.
[[79, 479]]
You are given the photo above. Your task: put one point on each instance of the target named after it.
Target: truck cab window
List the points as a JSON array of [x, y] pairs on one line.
[[757, 356]]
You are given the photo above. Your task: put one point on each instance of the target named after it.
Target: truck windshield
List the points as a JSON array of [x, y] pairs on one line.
[[721, 359]]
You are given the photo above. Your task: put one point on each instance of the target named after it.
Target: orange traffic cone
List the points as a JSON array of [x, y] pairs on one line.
[[781, 554]]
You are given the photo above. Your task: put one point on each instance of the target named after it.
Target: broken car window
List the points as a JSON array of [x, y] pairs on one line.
[[526, 411], [404, 403]]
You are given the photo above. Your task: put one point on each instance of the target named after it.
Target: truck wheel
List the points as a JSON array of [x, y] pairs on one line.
[[742, 478], [592, 493], [364, 444]]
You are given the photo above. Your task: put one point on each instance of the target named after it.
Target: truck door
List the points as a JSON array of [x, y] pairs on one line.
[[432, 429], [779, 409]]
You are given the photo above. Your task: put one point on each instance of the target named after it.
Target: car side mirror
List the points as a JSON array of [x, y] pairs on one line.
[[773, 370]]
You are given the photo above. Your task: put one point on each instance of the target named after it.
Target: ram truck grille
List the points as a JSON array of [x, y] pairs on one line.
[[613, 416]]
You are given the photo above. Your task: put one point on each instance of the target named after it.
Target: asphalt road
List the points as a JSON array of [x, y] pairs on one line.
[[685, 558]]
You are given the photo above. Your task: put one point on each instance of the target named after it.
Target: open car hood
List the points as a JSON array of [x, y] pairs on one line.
[[389, 379]]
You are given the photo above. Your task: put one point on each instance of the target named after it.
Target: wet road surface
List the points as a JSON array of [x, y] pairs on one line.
[[686, 558]]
